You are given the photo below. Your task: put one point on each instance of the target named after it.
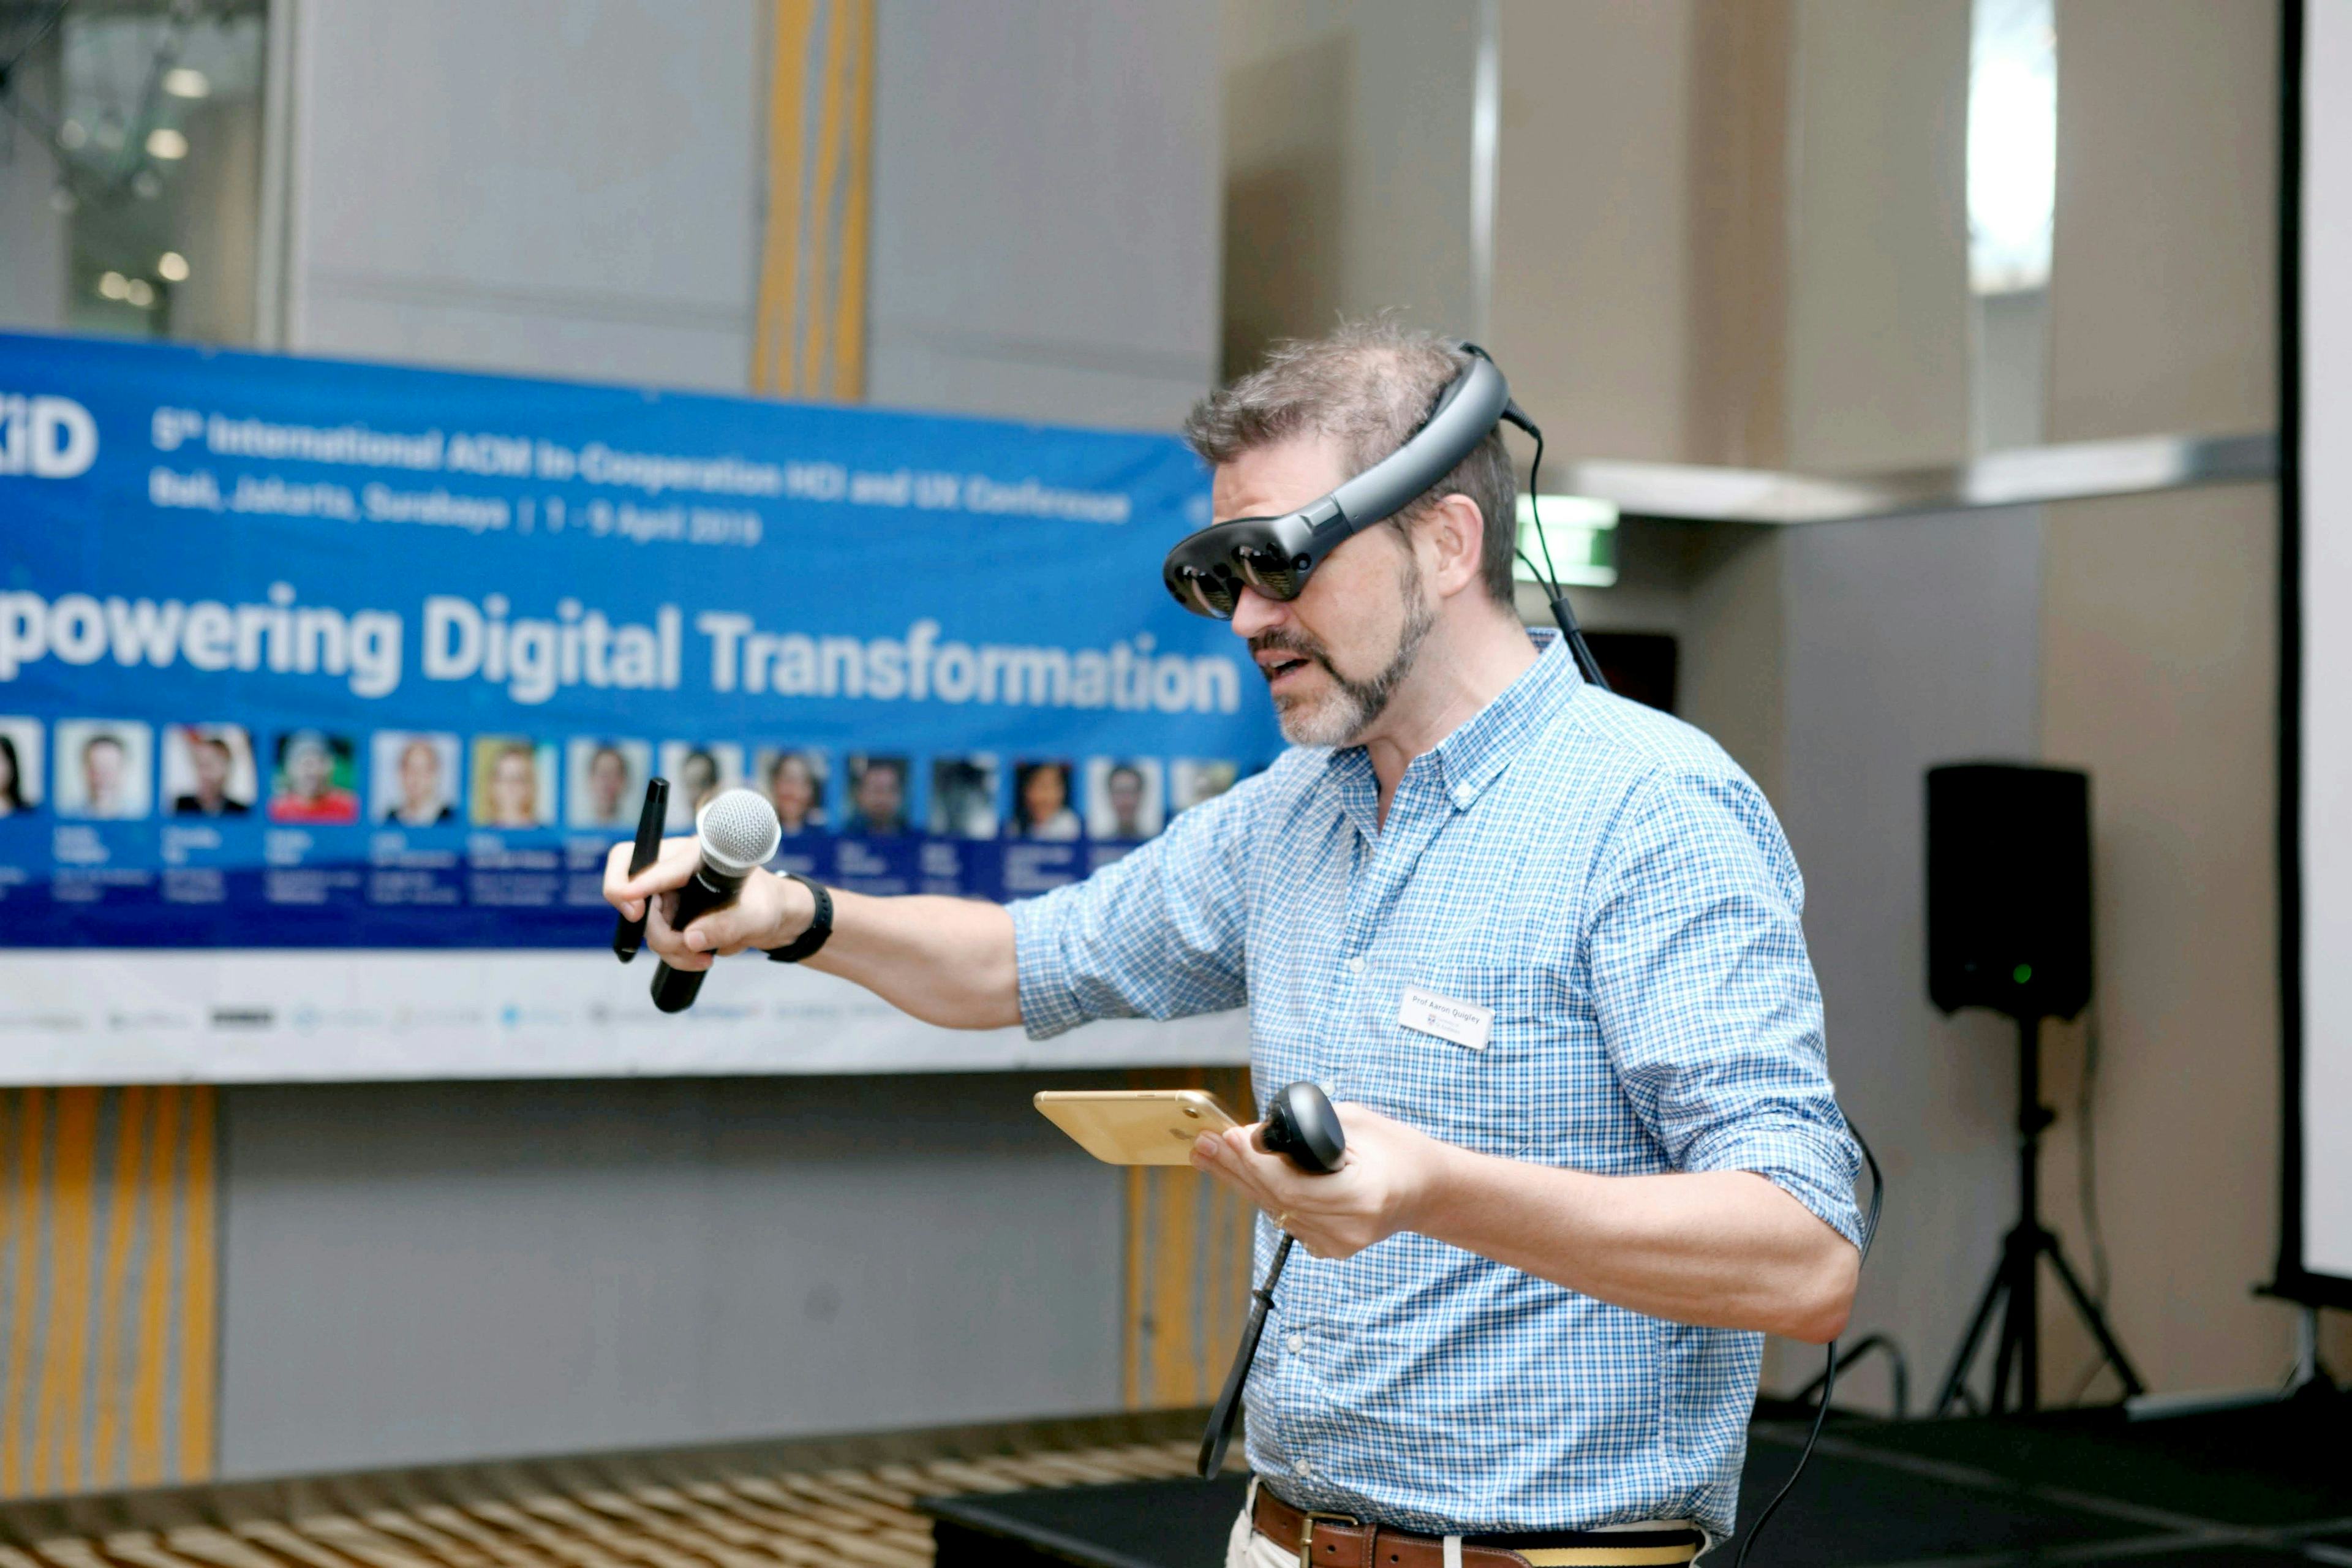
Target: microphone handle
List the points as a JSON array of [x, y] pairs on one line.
[[674, 990]]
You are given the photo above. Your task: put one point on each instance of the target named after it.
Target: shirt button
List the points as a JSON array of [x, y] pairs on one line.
[[1303, 1467], [1297, 1343], [1356, 964]]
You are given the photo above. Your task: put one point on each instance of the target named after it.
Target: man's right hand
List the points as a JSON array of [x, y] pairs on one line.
[[770, 911]]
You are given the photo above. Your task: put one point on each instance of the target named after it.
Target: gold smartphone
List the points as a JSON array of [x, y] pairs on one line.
[[1136, 1126]]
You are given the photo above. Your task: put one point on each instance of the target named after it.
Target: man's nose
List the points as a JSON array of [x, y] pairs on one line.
[[1255, 613]]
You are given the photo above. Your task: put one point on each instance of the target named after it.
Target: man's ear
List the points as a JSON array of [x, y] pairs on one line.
[[1454, 534]]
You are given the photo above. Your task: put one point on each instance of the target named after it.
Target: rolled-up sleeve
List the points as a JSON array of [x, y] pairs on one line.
[[1706, 997], [1159, 933]]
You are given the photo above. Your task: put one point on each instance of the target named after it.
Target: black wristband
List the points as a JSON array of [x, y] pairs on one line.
[[820, 927]]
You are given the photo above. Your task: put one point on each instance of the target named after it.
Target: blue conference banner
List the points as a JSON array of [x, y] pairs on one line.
[[313, 655]]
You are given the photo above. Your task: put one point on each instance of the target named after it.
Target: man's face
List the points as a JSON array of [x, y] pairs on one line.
[[310, 769], [881, 794], [102, 772], [210, 761], [1125, 790], [1333, 656]]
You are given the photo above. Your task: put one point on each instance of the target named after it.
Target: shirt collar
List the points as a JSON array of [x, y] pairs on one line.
[[1469, 758]]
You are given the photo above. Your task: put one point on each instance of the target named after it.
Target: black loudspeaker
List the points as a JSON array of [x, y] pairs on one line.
[[2009, 889]]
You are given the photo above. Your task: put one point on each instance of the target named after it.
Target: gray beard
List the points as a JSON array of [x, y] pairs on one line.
[[1341, 718]]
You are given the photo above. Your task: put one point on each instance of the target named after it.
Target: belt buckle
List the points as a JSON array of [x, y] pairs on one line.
[[1307, 1532]]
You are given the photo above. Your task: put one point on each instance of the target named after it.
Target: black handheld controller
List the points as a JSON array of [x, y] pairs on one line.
[[1301, 1127]]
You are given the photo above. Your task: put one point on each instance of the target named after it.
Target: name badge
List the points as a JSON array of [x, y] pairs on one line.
[[1464, 1023]]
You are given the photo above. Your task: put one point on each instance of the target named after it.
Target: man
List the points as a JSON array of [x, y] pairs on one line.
[[211, 761], [307, 790], [1539, 943], [104, 761], [877, 797], [1124, 787]]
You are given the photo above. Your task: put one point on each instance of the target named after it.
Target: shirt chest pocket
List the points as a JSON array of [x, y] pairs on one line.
[[1516, 1094]]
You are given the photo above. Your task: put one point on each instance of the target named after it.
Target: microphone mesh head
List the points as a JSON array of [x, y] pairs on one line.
[[739, 830]]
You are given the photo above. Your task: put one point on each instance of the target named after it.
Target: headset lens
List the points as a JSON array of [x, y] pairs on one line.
[[1272, 575], [1206, 593]]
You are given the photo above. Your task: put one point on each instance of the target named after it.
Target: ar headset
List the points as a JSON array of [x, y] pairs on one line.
[[1274, 555]]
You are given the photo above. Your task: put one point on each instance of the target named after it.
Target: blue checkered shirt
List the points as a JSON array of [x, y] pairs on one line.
[[1612, 885]]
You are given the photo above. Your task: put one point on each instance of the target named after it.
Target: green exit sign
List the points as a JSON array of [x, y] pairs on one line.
[[1582, 536]]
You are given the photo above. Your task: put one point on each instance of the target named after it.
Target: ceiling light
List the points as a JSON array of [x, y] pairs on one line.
[[146, 185], [113, 285], [139, 292], [73, 135], [166, 144], [172, 267], [186, 81]]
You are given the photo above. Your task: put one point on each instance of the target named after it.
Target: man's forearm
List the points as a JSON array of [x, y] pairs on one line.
[[1723, 1248], [946, 960]]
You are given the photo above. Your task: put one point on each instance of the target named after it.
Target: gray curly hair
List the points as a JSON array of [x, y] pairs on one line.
[[1369, 386]]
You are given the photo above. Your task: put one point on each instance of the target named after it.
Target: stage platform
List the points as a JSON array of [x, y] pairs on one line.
[[2263, 1488]]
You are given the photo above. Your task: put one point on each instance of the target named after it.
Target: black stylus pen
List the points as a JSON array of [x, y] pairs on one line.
[[628, 935]]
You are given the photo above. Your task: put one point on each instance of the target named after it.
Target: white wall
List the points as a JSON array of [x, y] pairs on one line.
[[33, 238], [555, 187], [1046, 209]]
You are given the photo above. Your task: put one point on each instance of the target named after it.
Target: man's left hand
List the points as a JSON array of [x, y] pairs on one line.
[[1381, 1187]]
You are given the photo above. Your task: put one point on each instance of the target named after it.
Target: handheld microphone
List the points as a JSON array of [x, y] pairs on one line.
[[1301, 1127], [738, 833]]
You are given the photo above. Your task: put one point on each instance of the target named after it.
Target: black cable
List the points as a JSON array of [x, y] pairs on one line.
[[1561, 611], [1829, 1372], [1229, 1400], [2086, 1185]]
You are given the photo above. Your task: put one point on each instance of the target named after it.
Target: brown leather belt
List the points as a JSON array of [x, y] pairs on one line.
[[1340, 1540]]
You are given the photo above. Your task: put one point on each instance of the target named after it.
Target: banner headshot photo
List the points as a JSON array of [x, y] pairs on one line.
[[877, 797], [105, 769], [1124, 797], [315, 779], [696, 770], [794, 782], [413, 775], [1041, 802], [20, 765], [608, 782], [1193, 781], [963, 796], [513, 782], [208, 770]]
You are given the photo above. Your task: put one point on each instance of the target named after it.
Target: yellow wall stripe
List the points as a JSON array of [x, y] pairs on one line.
[[121, 1216], [155, 1300], [22, 1180], [821, 187], [109, 1280], [56, 1445], [772, 356], [809, 327], [198, 1353], [849, 296]]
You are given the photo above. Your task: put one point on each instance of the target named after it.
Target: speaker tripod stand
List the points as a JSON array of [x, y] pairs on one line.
[[2016, 1277]]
